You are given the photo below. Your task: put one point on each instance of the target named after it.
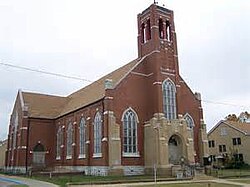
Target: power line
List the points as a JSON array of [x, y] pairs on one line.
[[86, 80], [223, 103], [45, 72]]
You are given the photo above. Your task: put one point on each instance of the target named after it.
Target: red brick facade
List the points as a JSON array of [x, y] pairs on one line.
[[140, 89]]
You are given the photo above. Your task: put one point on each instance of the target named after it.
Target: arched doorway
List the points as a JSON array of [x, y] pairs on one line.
[[39, 155], [175, 149]]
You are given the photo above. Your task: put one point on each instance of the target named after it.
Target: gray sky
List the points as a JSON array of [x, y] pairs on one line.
[[91, 38]]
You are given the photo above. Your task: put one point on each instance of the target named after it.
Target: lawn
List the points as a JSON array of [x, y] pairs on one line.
[[247, 181], [80, 179], [231, 173], [211, 184]]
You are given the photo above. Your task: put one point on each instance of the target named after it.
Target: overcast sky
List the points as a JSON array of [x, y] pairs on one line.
[[91, 38]]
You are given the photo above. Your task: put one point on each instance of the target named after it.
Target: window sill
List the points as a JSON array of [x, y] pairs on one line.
[[131, 155], [58, 158], [97, 155], [68, 157], [81, 156]]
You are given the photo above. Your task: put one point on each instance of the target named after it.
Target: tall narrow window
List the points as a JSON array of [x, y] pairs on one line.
[[148, 30], [190, 124], [97, 134], [69, 141], [143, 33], [161, 31], [169, 100], [168, 31], [82, 138], [130, 121], [59, 142]]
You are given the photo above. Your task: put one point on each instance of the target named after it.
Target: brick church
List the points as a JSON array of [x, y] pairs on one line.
[[137, 117]]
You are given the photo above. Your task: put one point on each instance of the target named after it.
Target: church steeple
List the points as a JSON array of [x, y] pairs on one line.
[[155, 30]]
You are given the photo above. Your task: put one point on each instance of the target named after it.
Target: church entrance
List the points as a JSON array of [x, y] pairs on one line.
[[39, 155], [175, 149]]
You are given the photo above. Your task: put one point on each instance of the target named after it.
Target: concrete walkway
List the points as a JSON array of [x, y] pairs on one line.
[[166, 182], [10, 180]]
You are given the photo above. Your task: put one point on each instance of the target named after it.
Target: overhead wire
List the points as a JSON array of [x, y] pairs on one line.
[[87, 80]]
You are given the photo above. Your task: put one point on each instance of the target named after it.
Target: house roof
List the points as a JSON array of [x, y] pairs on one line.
[[239, 126], [43, 106], [96, 90], [49, 106]]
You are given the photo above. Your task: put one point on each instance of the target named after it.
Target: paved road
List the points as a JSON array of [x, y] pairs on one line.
[[6, 180]]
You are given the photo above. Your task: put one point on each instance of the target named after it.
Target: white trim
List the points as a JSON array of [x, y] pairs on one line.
[[139, 61], [108, 98], [157, 83], [68, 157], [125, 111], [81, 156], [116, 139], [97, 155], [165, 73], [141, 74], [58, 158], [189, 116], [104, 139], [24, 128], [131, 154], [21, 99], [170, 80]]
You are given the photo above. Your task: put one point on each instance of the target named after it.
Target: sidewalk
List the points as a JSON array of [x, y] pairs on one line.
[[29, 182], [168, 182]]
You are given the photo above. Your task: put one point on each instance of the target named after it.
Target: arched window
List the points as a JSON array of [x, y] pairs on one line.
[[190, 124], [82, 138], [168, 31], [130, 121], [69, 141], [97, 134], [148, 30], [161, 30], [169, 99], [59, 142], [143, 33]]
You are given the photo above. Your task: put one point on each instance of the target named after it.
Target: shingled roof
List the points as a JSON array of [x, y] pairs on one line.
[[49, 106], [239, 126], [43, 106]]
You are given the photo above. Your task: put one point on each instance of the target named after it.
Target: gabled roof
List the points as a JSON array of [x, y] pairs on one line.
[[43, 106], [51, 107], [241, 127], [96, 90]]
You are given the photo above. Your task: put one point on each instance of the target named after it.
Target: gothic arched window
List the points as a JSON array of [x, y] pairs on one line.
[[82, 138], [169, 99], [69, 141], [190, 124], [59, 142], [97, 134], [130, 141]]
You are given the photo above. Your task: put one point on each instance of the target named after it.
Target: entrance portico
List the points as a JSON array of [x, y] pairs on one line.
[[172, 142]]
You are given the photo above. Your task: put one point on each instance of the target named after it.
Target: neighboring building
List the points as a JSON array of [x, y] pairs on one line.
[[229, 140], [3, 147], [244, 117], [140, 115]]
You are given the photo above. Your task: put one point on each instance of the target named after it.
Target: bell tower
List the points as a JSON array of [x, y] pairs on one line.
[[156, 30]]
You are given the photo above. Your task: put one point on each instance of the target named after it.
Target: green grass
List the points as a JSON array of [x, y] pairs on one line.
[[231, 173], [21, 185], [247, 181], [193, 184], [77, 179]]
